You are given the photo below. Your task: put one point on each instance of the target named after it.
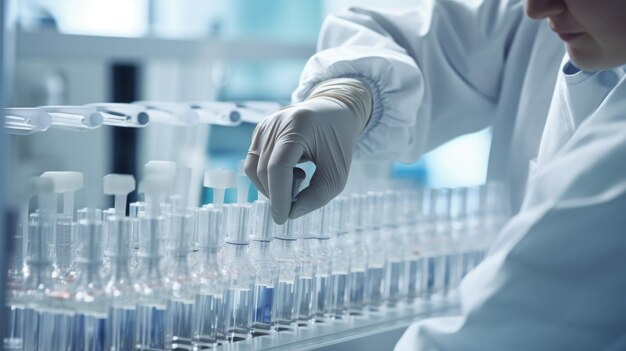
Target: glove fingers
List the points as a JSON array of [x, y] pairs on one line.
[[252, 159], [281, 178], [250, 167], [320, 191]]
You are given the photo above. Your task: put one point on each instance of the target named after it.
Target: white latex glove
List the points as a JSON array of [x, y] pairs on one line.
[[323, 129]]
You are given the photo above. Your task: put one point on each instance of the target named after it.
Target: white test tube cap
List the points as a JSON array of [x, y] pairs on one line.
[[118, 184], [65, 181], [220, 179], [161, 168], [153, 187]]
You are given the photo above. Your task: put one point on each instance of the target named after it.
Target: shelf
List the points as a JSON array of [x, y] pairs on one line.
[[354, 327]]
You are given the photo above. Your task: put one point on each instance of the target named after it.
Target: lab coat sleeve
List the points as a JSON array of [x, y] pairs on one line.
[[554, 279], [434, 72]]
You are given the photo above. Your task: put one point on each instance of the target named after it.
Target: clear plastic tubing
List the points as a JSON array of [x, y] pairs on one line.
[[122, 115], [170, 113], [76, 118], [217, 112], [24, 121]]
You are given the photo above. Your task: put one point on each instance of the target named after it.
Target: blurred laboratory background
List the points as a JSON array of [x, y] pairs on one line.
[[76, 52]]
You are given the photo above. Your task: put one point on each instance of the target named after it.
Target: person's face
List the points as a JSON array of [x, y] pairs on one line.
[[594, 31]]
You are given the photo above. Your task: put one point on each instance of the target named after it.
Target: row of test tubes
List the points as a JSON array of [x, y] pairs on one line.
[[139, 114], [169, 277]]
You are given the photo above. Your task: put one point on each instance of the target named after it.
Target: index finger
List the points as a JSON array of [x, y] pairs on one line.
[[281, 165]]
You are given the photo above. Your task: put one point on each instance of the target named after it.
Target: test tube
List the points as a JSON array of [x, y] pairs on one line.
[[76, 118], [340, 280], [358, 253], [24, 121], [210, 280], [306, 300], [241, 275], [150, 283], [284, 248], [262, 257], [170, 113], [122, 115], [217, 112]]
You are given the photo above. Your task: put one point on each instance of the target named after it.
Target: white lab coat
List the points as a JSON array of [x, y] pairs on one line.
[[555, 279]]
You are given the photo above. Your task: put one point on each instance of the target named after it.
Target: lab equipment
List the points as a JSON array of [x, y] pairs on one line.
[[119, 185], [24, 121], [267, 270], [89, 303], [284, 249], [269, 278], [217, 112], [306, 298], [375, 274], [119, 286], [76, 118], [219, 180], [150, 283], [122, 115], [357, 252], [24, 292], [241, 276], [413, 257], [65, 183], [178, 328], [210, 280], [49, 319], [322, 252], [394, 281], [170, 113], [340, 277], [255, 111]]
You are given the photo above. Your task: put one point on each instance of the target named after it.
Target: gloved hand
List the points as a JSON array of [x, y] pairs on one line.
[[323, 129]]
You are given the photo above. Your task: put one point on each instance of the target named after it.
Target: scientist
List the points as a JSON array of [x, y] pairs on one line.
[[395, 85]]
